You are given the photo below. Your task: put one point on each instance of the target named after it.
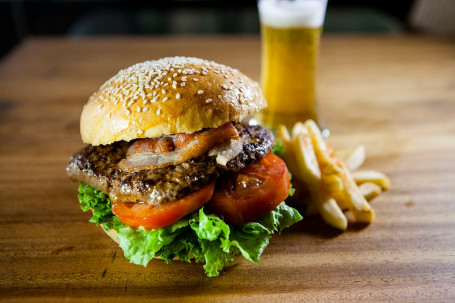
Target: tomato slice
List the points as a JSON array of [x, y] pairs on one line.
[[154, 217], [252, 192]]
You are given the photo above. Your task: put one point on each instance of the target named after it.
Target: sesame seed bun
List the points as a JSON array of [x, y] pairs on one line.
[[168, 96]]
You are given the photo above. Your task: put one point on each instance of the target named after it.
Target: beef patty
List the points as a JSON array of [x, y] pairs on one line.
[[97, 166]]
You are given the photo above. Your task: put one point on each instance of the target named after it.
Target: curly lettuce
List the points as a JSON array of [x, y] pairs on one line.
[[203, 236]]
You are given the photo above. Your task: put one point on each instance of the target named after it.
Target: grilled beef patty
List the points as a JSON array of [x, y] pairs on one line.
[[97, 166]]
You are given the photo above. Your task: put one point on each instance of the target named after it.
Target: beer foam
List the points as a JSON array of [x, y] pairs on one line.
[[289, 14]]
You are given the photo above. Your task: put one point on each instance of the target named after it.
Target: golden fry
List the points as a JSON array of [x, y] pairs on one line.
[[370, 190], [306, 160], [372, 176], [339, 197], [353, 158], [283, 134], [332, 183], [354, 199], [289, 153], [323, 153], [329, 210], [299, 128]]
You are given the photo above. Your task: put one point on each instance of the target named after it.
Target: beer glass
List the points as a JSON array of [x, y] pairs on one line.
[[290, 33]]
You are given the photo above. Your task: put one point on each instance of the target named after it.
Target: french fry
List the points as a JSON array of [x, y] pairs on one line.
[[298, 129], [329, 210], [354, 199], [332, 183], [323, 153], [353, 158], [370, 190], [289, 153], [306, 160], [372, 176], [339, 197], [283, 134], [364, 215]]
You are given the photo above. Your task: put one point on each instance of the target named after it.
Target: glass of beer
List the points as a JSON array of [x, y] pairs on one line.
[[291, 32]]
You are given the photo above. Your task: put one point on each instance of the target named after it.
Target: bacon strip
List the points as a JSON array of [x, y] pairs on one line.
[[160, 152], [155, 146]]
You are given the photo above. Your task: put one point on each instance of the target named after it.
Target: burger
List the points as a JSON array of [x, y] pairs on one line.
[[171, 170]]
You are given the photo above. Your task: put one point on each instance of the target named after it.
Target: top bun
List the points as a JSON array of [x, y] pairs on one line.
[[168, 96]]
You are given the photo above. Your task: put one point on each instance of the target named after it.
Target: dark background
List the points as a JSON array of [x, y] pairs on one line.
[[21, 19]]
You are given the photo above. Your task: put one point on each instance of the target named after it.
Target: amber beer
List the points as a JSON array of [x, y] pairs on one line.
[[290, 47]]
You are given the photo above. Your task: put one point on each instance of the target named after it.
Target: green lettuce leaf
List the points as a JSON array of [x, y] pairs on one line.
[[203, 236], [278, 148], [100, 204]]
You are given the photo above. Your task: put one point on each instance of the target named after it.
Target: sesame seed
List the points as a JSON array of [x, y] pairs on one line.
[[140, 132], [145, 109], [208, 100], [145, 81], [177, 96], [165, 99], [200, 91], [163, 91], [138, 109], [127, 111], [158, 111], [224, 86]]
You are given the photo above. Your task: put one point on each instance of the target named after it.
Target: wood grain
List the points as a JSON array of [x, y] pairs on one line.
[[396, 95]]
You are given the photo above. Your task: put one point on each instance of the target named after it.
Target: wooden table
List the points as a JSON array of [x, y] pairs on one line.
[[396, 95]]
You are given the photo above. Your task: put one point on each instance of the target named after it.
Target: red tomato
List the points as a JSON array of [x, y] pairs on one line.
[[154, 217], [253, 192]]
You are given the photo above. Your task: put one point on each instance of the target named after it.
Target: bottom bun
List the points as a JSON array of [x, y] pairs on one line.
[[113, 235]]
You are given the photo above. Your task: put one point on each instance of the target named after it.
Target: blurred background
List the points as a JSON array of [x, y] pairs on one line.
[[20, 19]]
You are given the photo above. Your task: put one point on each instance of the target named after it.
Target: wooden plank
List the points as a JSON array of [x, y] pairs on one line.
[[395, 95]]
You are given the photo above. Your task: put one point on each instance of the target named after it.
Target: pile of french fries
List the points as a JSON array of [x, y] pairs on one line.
[[332, 187]]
